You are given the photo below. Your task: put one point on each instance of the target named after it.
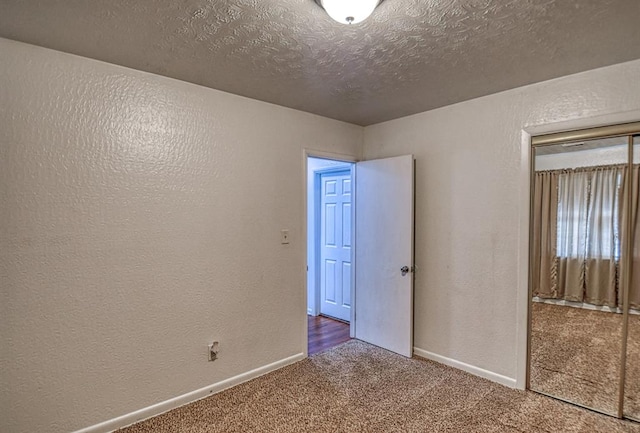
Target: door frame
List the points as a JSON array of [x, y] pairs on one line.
[[312, 153], [317, 235]]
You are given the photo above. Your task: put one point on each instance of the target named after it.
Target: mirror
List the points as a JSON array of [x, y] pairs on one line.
[[576, 327], [632, 380]]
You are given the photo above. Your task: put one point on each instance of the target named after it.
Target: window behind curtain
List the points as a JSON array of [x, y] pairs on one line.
[[589, 203]]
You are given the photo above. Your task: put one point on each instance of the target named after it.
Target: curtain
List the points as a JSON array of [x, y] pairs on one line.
[[572, 222], [633, 181], [544, 234], [603, 236], [577, 230]]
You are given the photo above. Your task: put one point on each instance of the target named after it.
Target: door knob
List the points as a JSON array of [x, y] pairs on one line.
[[404, 270]]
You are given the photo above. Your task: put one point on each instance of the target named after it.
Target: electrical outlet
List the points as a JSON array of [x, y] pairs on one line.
[[213, 351], [284, 237]]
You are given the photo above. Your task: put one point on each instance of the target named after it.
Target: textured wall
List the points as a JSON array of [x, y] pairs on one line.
[[467, 203], [140, 219]]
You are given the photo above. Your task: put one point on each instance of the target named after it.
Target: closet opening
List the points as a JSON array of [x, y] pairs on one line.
[[584, 271]]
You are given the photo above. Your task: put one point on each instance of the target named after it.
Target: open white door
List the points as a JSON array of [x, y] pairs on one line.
[[384, 246]]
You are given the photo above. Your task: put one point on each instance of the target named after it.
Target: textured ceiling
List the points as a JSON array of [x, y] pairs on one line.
[[409, 56]]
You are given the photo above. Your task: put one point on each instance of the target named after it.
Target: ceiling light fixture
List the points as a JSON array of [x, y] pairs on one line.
[[349, 11]]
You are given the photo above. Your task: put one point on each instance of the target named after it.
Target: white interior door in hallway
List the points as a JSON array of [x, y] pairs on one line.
[[335, 245]]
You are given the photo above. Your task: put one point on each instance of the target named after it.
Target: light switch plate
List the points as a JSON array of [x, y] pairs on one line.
[[284, 236]]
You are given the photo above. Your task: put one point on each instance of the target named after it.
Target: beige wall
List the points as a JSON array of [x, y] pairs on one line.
[[140, 219], [469, 197]]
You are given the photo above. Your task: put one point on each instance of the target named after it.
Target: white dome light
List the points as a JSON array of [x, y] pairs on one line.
[[349, 11]]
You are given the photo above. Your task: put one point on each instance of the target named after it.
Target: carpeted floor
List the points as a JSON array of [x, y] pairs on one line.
[[575, 355], [356, 387]]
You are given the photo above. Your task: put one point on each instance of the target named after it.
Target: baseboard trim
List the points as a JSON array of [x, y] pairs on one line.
[[190, 397], [476, 371]]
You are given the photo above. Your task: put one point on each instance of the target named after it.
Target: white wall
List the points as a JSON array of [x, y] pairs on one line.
[[314, 165], [140, 219], [469, 165]]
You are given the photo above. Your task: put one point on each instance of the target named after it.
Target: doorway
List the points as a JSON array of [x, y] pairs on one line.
[[329, 251], [382, 226]]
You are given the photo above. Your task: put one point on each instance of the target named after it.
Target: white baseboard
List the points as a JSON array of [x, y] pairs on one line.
[[476, 371], [181, 400]]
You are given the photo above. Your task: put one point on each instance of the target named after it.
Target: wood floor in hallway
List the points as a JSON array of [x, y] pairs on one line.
[[325, 333]]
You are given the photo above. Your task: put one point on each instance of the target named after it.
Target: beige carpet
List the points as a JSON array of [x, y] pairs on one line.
[[357, 387], [575, 355]]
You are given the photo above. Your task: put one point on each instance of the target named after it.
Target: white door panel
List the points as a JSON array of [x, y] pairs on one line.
[[384, 244], [335, 245]]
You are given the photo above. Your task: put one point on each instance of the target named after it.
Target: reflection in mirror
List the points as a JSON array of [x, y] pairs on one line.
[[576, 311], [632, 380]]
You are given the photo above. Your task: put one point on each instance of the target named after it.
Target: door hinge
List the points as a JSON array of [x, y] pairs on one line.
[[406, 269]]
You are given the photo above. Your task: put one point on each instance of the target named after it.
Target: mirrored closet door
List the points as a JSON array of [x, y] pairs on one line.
[[632, 380], [582, 243]]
